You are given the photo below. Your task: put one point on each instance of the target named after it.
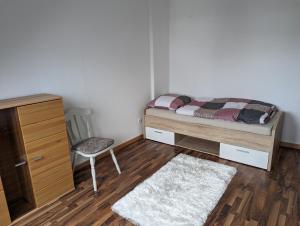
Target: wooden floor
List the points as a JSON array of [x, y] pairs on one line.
[[254, 197]]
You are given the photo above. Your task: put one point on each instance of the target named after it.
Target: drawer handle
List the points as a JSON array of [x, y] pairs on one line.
[[157, 132], [20, 164], [243, 151], [38, 158]]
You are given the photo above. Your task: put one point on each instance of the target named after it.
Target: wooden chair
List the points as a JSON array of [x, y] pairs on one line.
[[84, 143]]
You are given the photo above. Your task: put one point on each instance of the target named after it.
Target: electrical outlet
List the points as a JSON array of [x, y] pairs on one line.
[[140, 120]]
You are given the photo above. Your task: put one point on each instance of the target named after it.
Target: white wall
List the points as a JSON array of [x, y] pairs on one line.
[[96, 54], [238, 48], [159, 10], [93, 53]]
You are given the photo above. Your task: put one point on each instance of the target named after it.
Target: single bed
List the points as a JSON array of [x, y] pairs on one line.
[[252, 144]]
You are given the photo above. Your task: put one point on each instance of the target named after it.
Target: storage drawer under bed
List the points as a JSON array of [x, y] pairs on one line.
[[160, 135], [244, 155]]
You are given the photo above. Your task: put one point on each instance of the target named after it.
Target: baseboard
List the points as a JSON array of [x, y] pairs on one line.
[[125, 144], [117, 149], [290, 145]]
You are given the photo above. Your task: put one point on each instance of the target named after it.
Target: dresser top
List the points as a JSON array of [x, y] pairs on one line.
[[25, 100]]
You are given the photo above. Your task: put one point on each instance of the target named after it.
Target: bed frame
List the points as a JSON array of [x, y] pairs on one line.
[[208, 138]]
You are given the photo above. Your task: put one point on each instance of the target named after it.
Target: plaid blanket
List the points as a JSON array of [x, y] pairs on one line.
[[230, 109]]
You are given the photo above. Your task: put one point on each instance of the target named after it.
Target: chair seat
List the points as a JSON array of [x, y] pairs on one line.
[[93, 145]]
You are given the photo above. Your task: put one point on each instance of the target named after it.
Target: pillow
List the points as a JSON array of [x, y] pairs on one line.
[[169, 101]]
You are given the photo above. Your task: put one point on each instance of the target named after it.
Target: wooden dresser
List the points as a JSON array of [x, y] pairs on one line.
[[35, 165]]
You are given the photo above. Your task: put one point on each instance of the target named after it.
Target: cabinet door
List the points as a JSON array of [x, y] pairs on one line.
[[47, 150], [4, 214]]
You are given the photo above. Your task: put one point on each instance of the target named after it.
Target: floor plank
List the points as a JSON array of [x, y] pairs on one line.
[[254, 197]]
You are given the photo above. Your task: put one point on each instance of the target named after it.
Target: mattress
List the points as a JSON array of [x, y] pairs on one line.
[[265, 129]]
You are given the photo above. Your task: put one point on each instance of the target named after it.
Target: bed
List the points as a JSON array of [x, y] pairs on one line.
[[252, 144]]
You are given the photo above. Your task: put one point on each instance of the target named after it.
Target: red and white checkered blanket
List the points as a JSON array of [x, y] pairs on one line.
[[230, 109]]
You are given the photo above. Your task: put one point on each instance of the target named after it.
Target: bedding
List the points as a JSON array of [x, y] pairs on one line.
[[230, 109], [169, 101], [265, 129]]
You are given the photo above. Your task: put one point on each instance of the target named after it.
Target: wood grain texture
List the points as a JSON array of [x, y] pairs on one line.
[[125, 144], [39, 112], [8, 156], [221, 135], [26, 202], [43, 129], [49, 164], [249, 140], [275, 144], [47, 150], [290, 145], [20, 101], [54, 190], [197, 144], [52, 150], [254, 197], [16, 180], [1, 185], [4, 214], [33, 129]]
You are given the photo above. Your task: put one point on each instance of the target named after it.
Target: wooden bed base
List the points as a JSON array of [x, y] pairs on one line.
[[264, 143]]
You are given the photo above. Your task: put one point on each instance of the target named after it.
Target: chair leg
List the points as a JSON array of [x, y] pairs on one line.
[[93, 171], [115, 160], [74, 161]]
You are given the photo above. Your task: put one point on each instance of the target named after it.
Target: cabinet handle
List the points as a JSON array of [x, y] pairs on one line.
[[20, 164], [157, 132], [38, 158], [245, 152]]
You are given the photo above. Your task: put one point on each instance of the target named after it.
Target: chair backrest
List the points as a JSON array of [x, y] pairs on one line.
[[78, 124]]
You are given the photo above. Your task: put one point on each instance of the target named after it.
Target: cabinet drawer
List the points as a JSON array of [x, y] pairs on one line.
[[53, 191], [160, 135], [43, 129], [46, 153], [34, 113], [244, 155], [45, 179]]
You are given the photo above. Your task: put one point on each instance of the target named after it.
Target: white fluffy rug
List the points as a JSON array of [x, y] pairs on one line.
[[183, 192]]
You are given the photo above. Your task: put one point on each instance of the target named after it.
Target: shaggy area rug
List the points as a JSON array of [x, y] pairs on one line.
[[182, 192]]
